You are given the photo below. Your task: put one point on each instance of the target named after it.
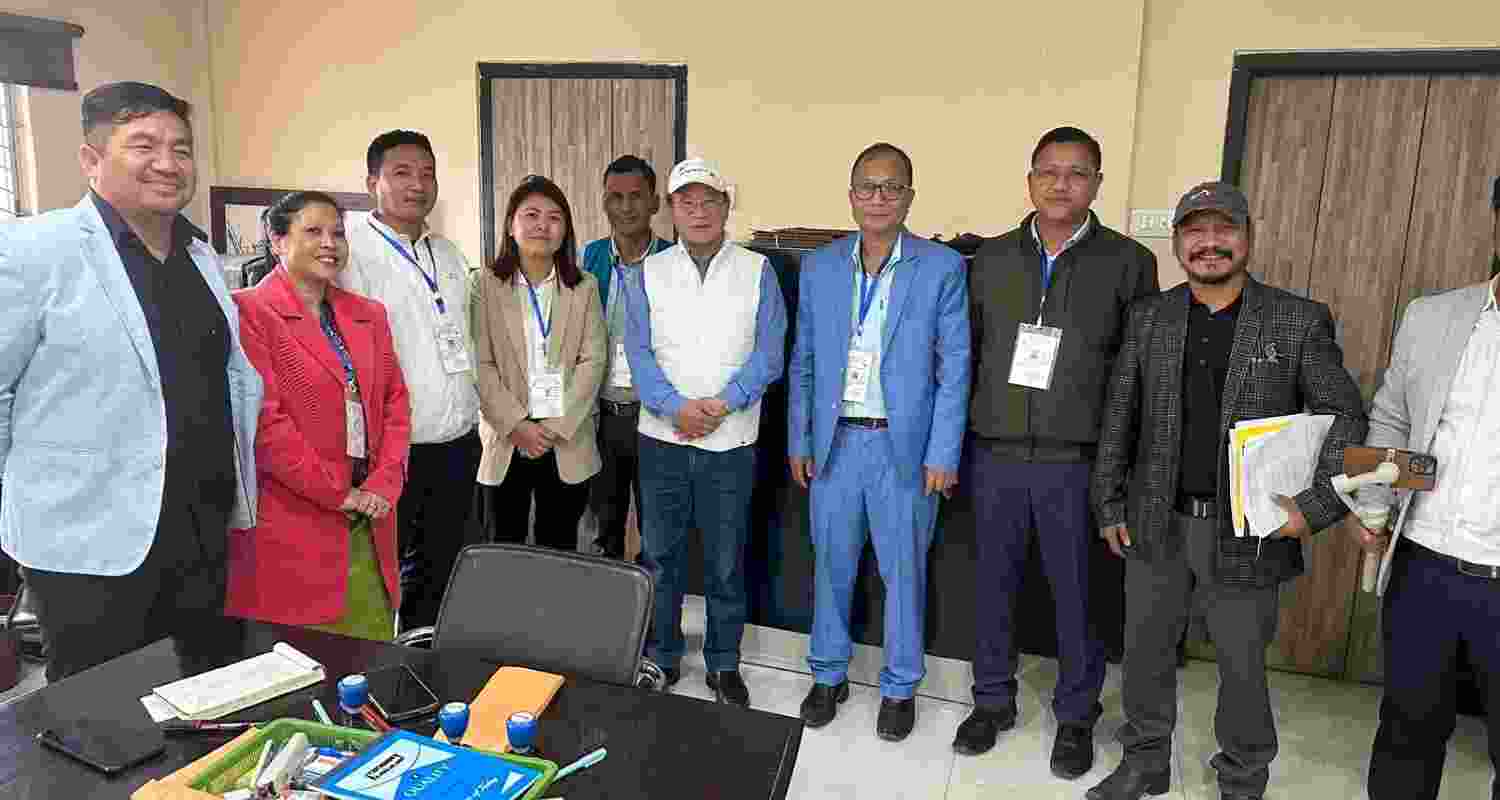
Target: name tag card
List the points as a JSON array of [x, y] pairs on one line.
[[354, 424], [1035, 356], [452, 348], [857, 376], [619, 368], [547, 394]]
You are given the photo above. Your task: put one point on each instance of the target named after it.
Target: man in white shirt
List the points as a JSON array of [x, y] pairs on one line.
[[422, 279], [1441, 578]]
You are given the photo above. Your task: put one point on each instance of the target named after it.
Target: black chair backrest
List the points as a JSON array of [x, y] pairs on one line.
[[547, 609]]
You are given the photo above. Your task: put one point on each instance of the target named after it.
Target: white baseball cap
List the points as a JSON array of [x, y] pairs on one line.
[[696, 170]]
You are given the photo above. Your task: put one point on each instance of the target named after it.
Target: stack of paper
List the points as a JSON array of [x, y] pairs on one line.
[[1267, 457], [239, 685]]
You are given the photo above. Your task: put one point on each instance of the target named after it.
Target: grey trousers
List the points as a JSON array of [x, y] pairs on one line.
[[1242, 622]]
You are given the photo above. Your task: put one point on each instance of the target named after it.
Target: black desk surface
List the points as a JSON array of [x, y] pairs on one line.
[[660, 745]]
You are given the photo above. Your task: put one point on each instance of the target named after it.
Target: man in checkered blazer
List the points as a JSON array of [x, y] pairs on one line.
[[1197, 359]]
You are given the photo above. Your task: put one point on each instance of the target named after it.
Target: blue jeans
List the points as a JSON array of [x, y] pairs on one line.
[[860, 494], [683, 488]]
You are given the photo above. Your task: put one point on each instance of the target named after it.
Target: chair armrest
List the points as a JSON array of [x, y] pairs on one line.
[[417, 637]]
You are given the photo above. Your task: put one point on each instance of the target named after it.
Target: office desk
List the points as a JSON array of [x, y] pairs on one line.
[[660, 745]]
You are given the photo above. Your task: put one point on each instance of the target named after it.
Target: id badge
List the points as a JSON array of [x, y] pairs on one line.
[[1035, 356], [354, 425], [547, 394], [857, 376], [453, 349], [619, 368]]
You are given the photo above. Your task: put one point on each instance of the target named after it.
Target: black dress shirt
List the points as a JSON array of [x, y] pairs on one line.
[[191, 338], [1205, 362]]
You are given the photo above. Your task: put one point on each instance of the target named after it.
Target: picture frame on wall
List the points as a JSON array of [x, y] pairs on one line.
[[235, 226]]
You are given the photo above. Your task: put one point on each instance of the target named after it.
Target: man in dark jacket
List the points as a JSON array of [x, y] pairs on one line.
[[1047, 302], [1196, 360]]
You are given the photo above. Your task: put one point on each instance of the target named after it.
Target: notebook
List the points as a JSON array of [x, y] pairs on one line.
[[226, 690], [403, 765], [509, 690]]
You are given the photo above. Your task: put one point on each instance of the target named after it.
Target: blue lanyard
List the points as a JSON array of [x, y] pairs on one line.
[[867, 292], [431, 282], [325, 321], [1046, 266], [536, 307], [614, 256]]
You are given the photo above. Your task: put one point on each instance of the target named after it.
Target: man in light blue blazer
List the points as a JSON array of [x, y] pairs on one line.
[[127, 408], [879, 382]]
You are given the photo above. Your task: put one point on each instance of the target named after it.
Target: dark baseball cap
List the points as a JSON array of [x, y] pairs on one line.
[[1225, 198]]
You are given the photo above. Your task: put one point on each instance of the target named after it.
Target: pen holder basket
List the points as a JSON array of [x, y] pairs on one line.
[[221, 776]]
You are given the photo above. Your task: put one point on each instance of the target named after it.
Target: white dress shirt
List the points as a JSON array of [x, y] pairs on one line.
[[536, 343], [1460, 517], [444, 406]]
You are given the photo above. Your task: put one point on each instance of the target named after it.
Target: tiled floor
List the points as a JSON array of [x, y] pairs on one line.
[[1325, 729]]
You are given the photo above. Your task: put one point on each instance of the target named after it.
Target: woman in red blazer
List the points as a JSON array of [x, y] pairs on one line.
[[324, 554]]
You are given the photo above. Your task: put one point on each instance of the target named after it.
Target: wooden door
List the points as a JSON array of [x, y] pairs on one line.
[[1367, 191], [569, 129]]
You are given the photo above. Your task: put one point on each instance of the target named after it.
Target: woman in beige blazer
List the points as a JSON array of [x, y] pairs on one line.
[[540, 345]]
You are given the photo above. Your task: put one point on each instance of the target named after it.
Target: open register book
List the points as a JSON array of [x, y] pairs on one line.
[[240, 685]]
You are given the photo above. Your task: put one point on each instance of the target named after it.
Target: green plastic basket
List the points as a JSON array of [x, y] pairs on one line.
[[221, 776]]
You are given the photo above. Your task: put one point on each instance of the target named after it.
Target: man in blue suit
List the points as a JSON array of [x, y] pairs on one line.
[[127, 408], [879, 398]]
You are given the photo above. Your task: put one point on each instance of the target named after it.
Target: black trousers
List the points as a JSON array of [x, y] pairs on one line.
[[90, 619], [559, 506], [1242, 621], [433, 522], [1429, 608], [617, 481]]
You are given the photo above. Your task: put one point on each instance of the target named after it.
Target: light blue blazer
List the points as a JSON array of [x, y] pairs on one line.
[[83, 427], [924, 367]]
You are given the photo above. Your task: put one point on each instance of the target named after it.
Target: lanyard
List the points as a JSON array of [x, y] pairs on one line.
[[867, 291], [536, 307], [325, 321], [615, 261], [431, 281]]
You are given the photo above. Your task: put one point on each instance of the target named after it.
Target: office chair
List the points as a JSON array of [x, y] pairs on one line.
[[547, 609]]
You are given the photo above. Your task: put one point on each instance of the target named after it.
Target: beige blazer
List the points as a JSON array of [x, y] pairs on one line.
[[498, 319]]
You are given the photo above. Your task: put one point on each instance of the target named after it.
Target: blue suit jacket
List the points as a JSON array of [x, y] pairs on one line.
[[83, 426], [924, 368]]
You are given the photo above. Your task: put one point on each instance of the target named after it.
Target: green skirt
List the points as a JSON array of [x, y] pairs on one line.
[[367, 606]]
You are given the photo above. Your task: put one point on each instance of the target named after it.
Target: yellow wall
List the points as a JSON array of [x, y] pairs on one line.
[[781, 94], [155, 41]]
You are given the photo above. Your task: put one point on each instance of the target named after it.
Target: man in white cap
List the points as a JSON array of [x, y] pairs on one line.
[[705, 337]]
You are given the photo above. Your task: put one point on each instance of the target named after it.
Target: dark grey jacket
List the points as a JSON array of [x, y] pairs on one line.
[[1284, 360], [1093, 283]]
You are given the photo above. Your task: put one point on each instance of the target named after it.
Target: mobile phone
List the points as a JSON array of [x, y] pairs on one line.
[[106, 745], [399, 695]]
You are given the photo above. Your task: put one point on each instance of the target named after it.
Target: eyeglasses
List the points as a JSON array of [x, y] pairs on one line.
[[694, 207], [889, 191], [1050, 176]]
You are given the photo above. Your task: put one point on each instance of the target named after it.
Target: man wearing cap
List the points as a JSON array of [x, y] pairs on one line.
[[879, 381], [705, 335], [1049, 300], [1196, 360], [127, 406], [630, 201]]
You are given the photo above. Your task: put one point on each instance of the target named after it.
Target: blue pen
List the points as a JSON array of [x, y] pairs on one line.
[[583, 763]]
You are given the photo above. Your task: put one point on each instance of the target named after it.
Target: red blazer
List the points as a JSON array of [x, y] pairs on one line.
[[293, 568]]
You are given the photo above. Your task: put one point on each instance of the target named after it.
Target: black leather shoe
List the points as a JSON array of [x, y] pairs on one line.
[[897, 718], [822, 703], [672, 676], [1238, 796], [729, 687], [1129, 782], [1073, 751], [977, 733]]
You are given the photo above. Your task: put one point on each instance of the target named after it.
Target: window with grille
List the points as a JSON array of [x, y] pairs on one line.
[[10, 177]]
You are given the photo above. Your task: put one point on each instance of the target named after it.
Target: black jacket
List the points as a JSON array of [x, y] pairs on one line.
[[1093, 283], [1284, 360]]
